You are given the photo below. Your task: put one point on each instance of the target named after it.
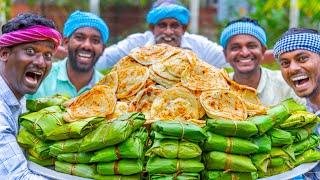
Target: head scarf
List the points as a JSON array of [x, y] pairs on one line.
[[31, 34], [243, 28], [80, 19], [168, 10], [291, 42]]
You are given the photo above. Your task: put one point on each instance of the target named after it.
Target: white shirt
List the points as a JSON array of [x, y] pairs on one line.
[[205, 49]]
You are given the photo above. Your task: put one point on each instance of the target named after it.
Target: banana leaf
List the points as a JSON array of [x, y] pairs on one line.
[[221, 175], [76, 158], [263, 122], [216, 160], [43, 102], [299, 147], [280, 137], [279, 113], [302, 133], [157, 165], [273, 171], [241, 129], [34, 145], [118, 177], [109, 134], [142, 134], [45, 162], [175, 176], [66, 146], [310, 155], [263, 142], [74, 130], [42, 122], [292, 105], [233, 145], [82, 170], [182, 130], [123, 167], [131, 148], [173, 148], [299, 119]]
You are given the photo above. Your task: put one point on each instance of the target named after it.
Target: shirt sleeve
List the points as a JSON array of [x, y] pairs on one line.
[[13, 164]]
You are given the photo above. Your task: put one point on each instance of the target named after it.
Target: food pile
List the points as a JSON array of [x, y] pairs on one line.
[[162, 113]]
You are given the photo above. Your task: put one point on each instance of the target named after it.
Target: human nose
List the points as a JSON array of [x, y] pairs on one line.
[[294, 66], [244, 51], [87, 44], [40, 61], [168, 30]]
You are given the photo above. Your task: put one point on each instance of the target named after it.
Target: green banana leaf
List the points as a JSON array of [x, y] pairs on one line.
[[76, 158], [118, 177], [34, 145], [274, 171], [123, 167], [74, 130], [299, 119], [175, 176], [280, 137], [292, 105], [221, 175], [216, 160], [232, 145], [310, 155], [279, 113], [66, 146], [173, 148], [43, 102], [156, 164], [263, 122], [82, 170], [44, 162], [42, 122], [263, 142], [241, 129], [131, 148], [302, 133], [299, 147], [112, 133], [182, 130], [142, 134]]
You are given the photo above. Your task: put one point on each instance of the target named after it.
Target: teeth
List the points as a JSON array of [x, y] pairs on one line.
[[85, 55], [245, 60], [37, 73], [167, 39], [299, 78]]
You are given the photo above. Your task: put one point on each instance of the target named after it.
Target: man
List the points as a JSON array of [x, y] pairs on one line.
[[244, 42], [85, 36], [168, 21], [298, 53], [27, 45]]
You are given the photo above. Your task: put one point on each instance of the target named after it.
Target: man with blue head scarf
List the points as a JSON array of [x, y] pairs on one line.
[[168, 21], [244, 42], [85, 38]]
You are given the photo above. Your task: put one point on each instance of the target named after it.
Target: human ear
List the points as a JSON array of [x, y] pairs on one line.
[[4, 54]]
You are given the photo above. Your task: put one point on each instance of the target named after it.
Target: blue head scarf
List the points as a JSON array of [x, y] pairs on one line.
[[170, 9], [85, 19], [242, 27]]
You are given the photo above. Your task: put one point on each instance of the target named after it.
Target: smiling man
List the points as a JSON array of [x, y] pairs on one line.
[[168, 21], [244, 42], [27, 45], [85, 36]]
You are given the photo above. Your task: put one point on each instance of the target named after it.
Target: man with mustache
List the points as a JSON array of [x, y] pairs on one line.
[[27, 45], [168, 21], [244, 42], [85, 36]]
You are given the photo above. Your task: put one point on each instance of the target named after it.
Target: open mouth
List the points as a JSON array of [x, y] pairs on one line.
[[300, 80], [85, 55], [244, 60], [33, 77]]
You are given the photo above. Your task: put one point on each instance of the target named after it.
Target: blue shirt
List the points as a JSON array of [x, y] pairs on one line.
[[13, 164], [57, 82]]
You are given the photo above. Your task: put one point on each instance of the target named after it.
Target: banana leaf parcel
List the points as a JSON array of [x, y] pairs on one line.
[[76, 129], [273, 171], [302, 133], [34, 145], [131, 148], [174, 148], [119, 177], [263, 122], [279, 113], [182, 130], [43, 102], [280, 137], [76, 158], [221, 175], [263, 142], [157, 165], [299, 147], [299, 119], [109, 134], [66, 146], [216, 160], [175, 176], [241, 129], [123, 167], [42, 122], [292, 105], [82, 170], [233, 145], [44, 162], [310, 155]]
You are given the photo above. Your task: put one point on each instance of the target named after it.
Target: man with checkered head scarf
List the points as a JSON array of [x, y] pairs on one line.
[[244, 42], [168, 21], [85, 37]]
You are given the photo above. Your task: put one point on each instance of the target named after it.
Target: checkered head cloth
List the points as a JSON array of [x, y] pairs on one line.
[[306, 41], [242, 28]]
